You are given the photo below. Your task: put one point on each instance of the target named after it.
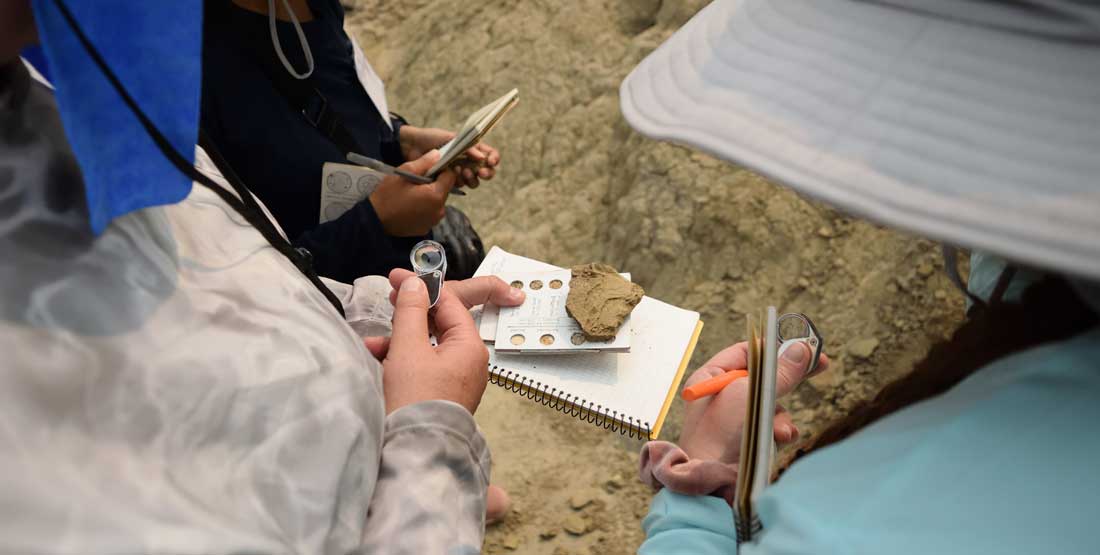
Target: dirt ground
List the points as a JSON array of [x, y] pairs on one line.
[[578, 185]]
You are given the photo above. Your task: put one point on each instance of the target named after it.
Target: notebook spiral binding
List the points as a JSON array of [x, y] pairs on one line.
[[747, 528], [574, 406]]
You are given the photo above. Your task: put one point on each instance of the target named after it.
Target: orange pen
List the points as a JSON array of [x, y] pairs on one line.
[[713, 385]]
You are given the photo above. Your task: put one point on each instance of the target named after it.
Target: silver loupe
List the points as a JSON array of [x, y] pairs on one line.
[[429, 261]]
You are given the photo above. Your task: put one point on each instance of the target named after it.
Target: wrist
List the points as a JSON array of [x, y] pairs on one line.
[[664, 465], [385, 216], [397, 402], [702, 449], [407, 137]]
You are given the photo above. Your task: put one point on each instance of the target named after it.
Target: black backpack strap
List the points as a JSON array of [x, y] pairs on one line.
[[1003, 281], [951, 266]]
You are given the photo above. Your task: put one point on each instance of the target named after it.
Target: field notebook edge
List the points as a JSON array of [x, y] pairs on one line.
[[656, 431], [554, 387]]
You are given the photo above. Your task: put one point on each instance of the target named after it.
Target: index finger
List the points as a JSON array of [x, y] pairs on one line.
[[734, 357], [492, 155], [486, 289], [452, 318], [477, 153], [445, 181]]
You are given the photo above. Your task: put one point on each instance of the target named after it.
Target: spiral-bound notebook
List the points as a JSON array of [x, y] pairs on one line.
[[629, 393]]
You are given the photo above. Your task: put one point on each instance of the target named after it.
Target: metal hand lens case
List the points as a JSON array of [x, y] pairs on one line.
[[429, 261]]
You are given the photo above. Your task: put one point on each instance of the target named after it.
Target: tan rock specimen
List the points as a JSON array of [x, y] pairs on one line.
[[600, 300], [576, 525], [862, 348]]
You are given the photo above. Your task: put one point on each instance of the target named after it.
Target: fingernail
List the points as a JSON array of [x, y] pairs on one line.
[[515, 294], [795, 354], [412, 284], [792, 432], [783, 433]]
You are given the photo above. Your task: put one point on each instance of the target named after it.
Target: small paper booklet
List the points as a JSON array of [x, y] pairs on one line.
[[343, 186], [477, 126], [628, 392], [757, 441]]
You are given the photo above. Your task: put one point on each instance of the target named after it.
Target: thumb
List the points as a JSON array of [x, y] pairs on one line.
[[444, 182], [410, 316], [421, 165], [794, 360]]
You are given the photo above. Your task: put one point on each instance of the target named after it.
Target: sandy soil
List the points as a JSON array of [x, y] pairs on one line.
[[578, 185]]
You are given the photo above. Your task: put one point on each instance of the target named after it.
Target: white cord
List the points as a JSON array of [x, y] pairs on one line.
[[301, 39]]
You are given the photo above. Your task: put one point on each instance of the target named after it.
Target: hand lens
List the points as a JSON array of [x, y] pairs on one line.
[[429, 261]]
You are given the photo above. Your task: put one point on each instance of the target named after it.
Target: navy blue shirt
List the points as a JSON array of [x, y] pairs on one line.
[[277, 153]]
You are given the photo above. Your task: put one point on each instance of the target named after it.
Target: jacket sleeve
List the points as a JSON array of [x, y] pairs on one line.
[[367, 307], [430, 495], [355, 245], [695, 524], [391, 141]]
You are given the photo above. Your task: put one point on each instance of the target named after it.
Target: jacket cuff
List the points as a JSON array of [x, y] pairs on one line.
[[369, 219], [446, 420], [398, 122], [391, 148], [395, 253], [688, 524]]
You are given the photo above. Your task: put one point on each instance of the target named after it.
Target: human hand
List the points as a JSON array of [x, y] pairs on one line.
[[454, 370], [481, 162], [713, 425], [409, 209]]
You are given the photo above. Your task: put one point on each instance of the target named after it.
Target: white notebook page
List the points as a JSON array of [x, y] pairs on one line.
[[633, 384]]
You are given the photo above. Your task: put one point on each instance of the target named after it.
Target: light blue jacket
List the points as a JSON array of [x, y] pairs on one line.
[[1008, 461]]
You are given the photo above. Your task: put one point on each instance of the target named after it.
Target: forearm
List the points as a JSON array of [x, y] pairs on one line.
[[430, 496], [355, 245]]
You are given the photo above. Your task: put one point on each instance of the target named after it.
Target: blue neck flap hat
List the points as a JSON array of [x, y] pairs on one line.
[[154, 49]]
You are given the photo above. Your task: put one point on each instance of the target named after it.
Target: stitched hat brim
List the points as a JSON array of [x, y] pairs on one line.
[[972, 135]]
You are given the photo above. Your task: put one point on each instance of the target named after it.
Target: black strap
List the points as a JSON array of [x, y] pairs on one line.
[[1003, 282], [300, 94], [951, 266], [245, 205], [950, 262]]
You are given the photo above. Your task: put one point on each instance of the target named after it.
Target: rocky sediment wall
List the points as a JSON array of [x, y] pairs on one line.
[[578, 185]]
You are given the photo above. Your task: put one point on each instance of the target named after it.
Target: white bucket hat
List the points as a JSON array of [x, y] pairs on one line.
[[973, 122]]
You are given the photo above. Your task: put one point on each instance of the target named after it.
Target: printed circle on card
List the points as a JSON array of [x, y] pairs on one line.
[[541, 325]]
